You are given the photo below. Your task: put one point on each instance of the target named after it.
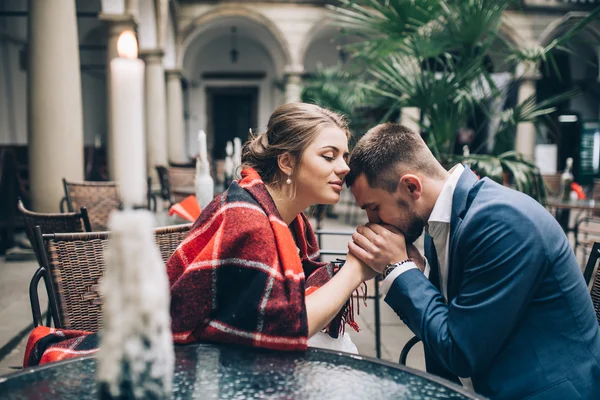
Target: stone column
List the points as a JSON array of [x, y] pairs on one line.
[[156, 111], [131, 7], [293, 84], [175, 126], [525, 140], [55, 116], [409, 117], [117, 24]]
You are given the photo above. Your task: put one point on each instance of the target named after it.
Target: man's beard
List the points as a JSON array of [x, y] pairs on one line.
[[415, 225], [414, 231]]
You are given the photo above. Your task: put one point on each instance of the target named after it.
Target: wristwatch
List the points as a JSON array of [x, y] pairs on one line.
[[390, 267]]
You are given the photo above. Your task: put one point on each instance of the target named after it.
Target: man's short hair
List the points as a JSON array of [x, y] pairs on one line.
[[387, 151]]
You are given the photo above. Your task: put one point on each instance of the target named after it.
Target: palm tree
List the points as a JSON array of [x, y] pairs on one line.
[[434, 55]]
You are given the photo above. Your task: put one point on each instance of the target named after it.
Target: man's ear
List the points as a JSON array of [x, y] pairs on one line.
[[411, 184], [286, 163]]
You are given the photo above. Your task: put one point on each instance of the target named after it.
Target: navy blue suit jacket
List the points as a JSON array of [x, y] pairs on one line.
[[519, 319]]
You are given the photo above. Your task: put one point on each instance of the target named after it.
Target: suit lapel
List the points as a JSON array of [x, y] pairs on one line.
[[466, 189], [432, 259]]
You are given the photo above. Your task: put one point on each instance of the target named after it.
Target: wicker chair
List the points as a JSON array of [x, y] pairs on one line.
[[180, 178], [100, 198], [48, 223], [587, 228], [552, 183], [165, 184], [53, 223], [76, 264], [595, 283]]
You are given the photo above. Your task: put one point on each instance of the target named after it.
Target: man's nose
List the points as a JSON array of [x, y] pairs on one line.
[[373, 217]]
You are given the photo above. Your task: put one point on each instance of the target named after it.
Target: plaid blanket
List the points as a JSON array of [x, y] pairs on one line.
[[238, 277], [49, 344]]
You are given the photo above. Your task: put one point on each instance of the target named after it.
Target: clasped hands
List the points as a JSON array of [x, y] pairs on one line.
[[378, 245]]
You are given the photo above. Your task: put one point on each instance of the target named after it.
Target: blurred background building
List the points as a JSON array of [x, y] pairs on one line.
[[223, 66]]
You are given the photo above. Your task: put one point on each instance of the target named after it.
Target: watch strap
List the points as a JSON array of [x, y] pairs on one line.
[[390, 267]]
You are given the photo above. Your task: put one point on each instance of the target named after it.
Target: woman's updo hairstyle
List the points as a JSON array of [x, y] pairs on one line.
[[291, 129]]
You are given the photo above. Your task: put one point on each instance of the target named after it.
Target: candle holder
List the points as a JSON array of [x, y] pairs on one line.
[[135, 359]]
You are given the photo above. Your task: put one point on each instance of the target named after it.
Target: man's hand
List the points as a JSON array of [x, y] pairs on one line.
[[365, 272], [378, 246]]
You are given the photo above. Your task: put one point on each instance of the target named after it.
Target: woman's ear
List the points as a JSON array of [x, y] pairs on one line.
[[286, 163]]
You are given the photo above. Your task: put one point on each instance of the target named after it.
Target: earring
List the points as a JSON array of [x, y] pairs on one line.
[[288, 181]]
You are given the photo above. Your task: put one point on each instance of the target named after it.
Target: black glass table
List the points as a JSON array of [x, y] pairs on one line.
[[207, 371]]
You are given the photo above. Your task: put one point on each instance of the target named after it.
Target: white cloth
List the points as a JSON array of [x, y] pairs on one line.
[[323, 341]]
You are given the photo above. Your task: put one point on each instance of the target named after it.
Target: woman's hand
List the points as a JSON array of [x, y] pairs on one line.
[[361, 269], [323, 304], [378, 245], [415, 256]]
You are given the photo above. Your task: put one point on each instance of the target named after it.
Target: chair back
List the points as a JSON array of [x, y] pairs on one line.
[[100, 199], [165, 184], [587, 275], [552, 183], [181, 178], [53, 223], [76, 264], [596, 196]]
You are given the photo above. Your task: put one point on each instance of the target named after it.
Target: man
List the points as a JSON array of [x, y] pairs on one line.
[[505, 306]]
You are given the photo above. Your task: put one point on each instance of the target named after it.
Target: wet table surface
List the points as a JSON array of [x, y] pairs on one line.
[[207, 371]]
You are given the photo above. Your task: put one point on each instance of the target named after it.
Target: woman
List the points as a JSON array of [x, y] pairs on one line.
[[247, 272]]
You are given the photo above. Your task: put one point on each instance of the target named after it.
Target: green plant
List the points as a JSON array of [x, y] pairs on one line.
[[435, 55]]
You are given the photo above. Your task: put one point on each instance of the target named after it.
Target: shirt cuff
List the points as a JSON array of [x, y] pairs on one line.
[[387, 282]]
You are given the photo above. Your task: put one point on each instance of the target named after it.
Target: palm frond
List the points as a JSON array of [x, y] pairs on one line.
[[434, 55]]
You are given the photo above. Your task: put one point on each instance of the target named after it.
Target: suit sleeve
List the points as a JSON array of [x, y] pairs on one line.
[[502, 262]]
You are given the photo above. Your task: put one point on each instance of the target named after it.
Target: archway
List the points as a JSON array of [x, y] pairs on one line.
[[234, 62]]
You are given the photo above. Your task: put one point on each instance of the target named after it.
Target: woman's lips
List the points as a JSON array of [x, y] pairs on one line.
[[336, 185]]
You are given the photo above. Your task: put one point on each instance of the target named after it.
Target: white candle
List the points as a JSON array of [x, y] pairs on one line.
[[237, 156], [228, 161], [202, 153], [127, 119]]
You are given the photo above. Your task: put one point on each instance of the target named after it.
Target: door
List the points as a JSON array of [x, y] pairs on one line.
[[232, 112]]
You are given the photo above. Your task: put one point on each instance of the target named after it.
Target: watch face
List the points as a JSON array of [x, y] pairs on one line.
[[388, 268]]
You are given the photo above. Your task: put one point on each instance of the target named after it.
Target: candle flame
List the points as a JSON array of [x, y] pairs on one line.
[[127, 45]]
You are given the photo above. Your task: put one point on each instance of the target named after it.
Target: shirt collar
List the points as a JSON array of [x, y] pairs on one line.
[[442, 210]]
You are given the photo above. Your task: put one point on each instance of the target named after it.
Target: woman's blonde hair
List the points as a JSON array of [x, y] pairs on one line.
[[291, 129]]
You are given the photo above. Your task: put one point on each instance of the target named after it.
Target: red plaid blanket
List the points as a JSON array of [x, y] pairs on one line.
[[49, 344], [238, 277]]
